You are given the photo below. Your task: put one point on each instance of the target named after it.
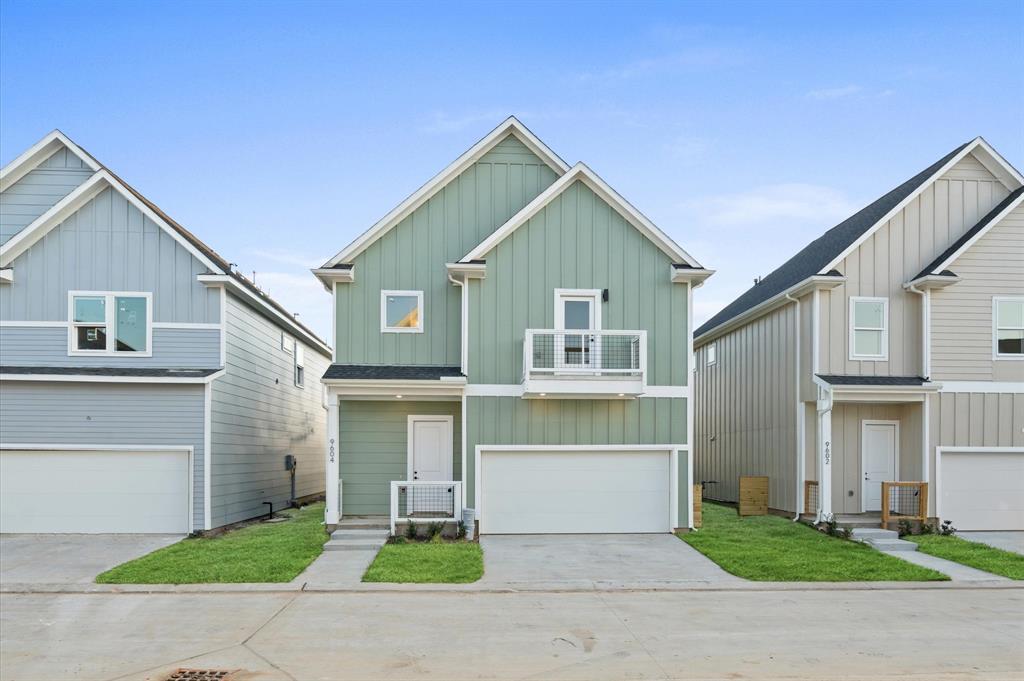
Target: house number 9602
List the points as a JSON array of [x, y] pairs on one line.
[[828, 452]]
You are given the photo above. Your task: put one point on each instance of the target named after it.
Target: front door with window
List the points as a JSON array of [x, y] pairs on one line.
[[577, 310], [881, 441], [430, 459]]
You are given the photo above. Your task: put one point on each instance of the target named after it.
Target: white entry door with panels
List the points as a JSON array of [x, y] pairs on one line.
[[430, 450], [879, 456]]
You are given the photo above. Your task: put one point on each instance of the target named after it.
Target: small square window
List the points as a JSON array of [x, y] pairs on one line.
[[869, 328], [300, 365], [712, 354], [401, 311], [1008, 327]]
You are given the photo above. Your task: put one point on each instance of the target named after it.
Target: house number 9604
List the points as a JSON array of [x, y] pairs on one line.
[[330, 450]]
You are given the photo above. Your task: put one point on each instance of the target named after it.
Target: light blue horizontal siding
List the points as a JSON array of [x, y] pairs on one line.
[[48, 346], [108, 245], [39, 190], [106, 414], [259, 415]]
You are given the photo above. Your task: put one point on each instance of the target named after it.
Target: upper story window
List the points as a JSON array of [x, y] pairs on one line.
[[104, 323], [401, 311], [869, 328], [287, 343], [712, 354], [1008, 327], [300, 365]]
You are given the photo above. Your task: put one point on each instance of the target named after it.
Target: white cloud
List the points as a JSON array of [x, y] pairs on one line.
[[776, 204], [441, 122]]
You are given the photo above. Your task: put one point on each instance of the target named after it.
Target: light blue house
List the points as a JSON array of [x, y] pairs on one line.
[[144, 385]]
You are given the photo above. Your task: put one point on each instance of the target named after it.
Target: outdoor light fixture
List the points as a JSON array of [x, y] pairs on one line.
[[543, 394], [398, 397]]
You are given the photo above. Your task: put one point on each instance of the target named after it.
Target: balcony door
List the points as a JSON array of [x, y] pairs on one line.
[[577, 310]]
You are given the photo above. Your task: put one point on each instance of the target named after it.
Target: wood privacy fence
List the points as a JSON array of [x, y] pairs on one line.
[[753, 495], [904, 501], [698, 498], [811, 497]]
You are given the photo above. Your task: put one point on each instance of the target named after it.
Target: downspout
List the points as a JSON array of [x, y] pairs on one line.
[[926, 360], [799, 439], [462, 333]]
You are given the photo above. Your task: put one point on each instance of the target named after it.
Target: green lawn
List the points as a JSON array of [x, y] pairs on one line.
[[427, 563], [980, 556], [774, 549], [261, 552]]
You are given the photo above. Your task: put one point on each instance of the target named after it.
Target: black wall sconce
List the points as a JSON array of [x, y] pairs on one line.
[[604, 295]]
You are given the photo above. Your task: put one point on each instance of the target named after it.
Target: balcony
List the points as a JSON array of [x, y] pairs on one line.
[[585, 363]]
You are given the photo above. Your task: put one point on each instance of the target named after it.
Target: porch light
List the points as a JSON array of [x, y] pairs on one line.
[[543, 394], [622, 394], [398, 397]]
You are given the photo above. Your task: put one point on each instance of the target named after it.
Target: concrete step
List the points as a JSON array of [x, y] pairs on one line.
[[891, 544], [866, 533], [353, 545], [859, 521], [367, 534], [364, 524]]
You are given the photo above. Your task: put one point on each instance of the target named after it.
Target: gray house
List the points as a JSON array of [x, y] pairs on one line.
[[513, 338], [144, 385], [880, 370]]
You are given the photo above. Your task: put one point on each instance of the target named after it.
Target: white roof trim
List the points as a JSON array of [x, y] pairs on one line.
[[511, 125], [981, 232], [39, 152], [581, 172], [1010, 177], [245, 292]]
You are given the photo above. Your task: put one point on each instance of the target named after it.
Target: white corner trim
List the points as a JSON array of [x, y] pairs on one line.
[[511, 125], [420, 312], [207, 454], [941, 449], [30, 159], [981, 232], [584, 174]]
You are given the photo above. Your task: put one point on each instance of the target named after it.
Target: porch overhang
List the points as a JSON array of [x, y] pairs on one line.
[[876, 388], [441, 389]]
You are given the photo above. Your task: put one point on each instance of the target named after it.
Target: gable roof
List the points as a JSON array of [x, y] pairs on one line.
[[510, 126], [580, 172], [823, 254], [103, 178], [968, 238]]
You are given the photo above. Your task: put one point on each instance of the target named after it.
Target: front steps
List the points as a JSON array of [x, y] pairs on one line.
[[359, 533], [883, 540]]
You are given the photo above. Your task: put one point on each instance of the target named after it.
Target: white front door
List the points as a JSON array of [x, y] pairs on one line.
[[430, 448], [577, 310], [878, 460]]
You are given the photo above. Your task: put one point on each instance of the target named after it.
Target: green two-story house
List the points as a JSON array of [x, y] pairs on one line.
[[513, 345]]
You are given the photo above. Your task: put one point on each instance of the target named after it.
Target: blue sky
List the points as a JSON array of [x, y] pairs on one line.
[[278, 132]]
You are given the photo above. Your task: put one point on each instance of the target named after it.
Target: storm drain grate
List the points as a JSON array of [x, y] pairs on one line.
[[201, 675]]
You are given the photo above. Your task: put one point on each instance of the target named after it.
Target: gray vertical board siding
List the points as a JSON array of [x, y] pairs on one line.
[[107, 414], [48, 346], [108, 245], [745, 409], [576, 241], [893, 255], [40, 190], [412, 256], [515, 421], [847, 469], [374, 449], [258, 415], [962, 323]]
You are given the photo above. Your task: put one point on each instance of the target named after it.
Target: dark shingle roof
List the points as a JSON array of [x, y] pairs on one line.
[[391, 372], [832, 379], [819, 253], [969, 234], [107, 371]]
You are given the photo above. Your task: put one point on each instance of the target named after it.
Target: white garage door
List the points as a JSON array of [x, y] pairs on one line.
[[983, 490], [541, 492], [94, 491]]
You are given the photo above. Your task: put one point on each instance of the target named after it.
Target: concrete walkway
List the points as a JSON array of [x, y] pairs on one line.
[[958, 634], [71, 558], [956, 571]]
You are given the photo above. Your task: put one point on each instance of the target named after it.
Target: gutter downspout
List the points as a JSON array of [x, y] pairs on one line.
[[926, 358], [799, 416]]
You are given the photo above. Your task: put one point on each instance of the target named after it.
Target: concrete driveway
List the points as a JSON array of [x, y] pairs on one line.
[[71, 558], [1008, 541], [640, 560]]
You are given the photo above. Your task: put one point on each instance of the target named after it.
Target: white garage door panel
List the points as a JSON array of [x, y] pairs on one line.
[[93, 492], [983, 491], [540, 492]]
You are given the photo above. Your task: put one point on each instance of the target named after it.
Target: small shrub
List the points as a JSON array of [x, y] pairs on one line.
[[437, 539], [847, 533], [831, 525], [434, 530], [904, 528], [460, 532], [927, 528], [410, 531], [947, 529], [398, 540]]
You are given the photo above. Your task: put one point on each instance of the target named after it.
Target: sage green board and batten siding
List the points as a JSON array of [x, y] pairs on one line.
[[515, 421], [893, 255], [576, 241], [40, 190], [374, 449], [412, 256], [108, 245]]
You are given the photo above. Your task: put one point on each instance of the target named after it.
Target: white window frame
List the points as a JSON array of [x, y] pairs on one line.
[[711, 354], [300, 363], [110, 323], [384, 328], [854, 357], [287, 343], [996, 355]]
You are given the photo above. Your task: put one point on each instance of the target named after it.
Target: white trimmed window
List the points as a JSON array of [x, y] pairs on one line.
[[712, 354], [110, 323], [287, 343], [869, 328], [300, 365], [401, 311], [1008, 327]]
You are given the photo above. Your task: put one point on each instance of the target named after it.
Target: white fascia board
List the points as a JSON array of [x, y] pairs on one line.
[[581, 172], [70, 378], [689, 275], [467, 270], [39, 152], [243, 292], [997, 165], [511, 125], [6, 275], [981, 232], [798, 290], [390, 389], [931, 281], [329, 276], [977, 144]]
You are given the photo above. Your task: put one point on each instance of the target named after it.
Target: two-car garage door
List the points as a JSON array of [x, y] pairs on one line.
[[579, 491], [88, 491], [982, 489]]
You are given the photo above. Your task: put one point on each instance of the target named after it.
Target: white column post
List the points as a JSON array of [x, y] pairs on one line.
[[332, 513], [825, 462]]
